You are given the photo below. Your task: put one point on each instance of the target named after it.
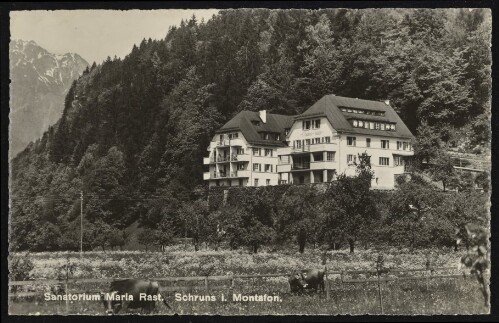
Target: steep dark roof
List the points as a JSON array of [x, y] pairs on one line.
[[329, 106], [276, 123]]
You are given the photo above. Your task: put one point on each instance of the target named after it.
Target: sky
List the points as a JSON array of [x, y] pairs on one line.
[[96, 34]]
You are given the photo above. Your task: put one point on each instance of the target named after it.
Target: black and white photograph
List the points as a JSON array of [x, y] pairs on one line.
[[249, 161]]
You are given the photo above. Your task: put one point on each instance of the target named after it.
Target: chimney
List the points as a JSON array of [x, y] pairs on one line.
[[263, 115], [387, 102]]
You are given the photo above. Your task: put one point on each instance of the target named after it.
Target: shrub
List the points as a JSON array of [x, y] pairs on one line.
[[20, 267]]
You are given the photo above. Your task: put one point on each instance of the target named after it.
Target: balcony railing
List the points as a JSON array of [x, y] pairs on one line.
[[282, 182], [304, 165], [242, 173], [219, 174], [304, 148], [223, 159]]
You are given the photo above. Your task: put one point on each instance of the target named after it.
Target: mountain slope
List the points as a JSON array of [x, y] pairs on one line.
[[39, 82]]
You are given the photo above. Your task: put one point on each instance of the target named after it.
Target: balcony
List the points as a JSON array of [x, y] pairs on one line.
[[237, 142], [323, 147], [234, 174], [301, 149], [241, 157], [283, 168], [240, 174], [284, 151], [404, 152], [223, 143], [300, 166], [319, 165], [223, 159]]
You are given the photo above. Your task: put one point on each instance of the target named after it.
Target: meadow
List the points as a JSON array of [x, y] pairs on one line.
[[436, 296]]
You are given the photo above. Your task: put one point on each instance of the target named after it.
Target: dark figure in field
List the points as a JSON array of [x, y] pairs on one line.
[[299, 281], [145, 293]]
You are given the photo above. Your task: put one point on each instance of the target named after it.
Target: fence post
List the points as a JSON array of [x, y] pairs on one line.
[[326, 283], [231, 286], [67, 300], [379, 295]]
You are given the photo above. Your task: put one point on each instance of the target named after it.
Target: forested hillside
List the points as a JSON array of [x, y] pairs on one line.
[[134, 130]]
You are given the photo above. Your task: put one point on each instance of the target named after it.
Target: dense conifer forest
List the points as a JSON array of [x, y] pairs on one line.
[[134, 130]]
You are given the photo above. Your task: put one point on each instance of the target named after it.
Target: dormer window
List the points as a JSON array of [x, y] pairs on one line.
[[255, 122], [316, 124], [266, 136], [286, 131]]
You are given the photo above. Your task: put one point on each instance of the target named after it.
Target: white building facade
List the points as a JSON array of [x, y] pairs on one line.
[[259, 149]]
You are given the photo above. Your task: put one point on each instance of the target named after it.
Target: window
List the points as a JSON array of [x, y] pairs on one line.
[[368, 142], [256, 181], [257, 152], [355, 123], [351, 159], [234, 135], [268, 152], [240, 166], [399, 145], [330, 155], [384, 161], [255, 122], [307, 142], [306, 125], [298, 143], [257, 167], [377, 126], [398, 161], [382, 126], [286, 131], [406, 145], [316, 124], [267, 182], [317, 140], [392, 127], [351, 141], [268, 168], [361, 124], [266, 136], [366, 125], [371, 125], [278, 137], [327, 139], [385, 144], [318, 157], [240, 151]]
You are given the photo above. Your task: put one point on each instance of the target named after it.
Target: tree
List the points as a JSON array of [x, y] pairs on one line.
[[478, 260], [443, 170], [415, 217], [428, 143], [350, 210], [198, 223], [363, 169], [302, 238], [163, 235], [144, 237], [482, 180], [297, 216]]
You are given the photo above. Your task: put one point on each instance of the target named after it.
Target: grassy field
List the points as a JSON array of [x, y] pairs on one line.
[[438, 296]]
